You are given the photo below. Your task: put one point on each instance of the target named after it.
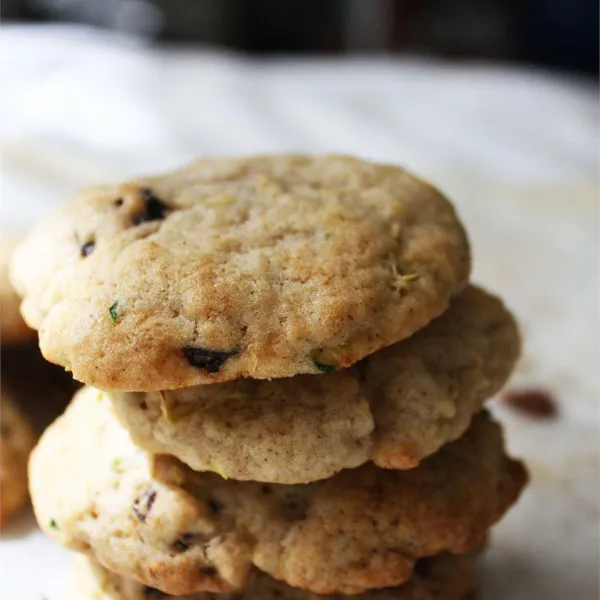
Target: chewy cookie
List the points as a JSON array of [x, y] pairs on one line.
[[16, 441], [153, 519], [395, 407], [262, 267], [444, 577], [13, 329]]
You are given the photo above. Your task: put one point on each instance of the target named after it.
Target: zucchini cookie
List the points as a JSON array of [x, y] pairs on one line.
[[261, 267], [16, 441], [150, 518], [444, 577], [13, 330], [395, 407]]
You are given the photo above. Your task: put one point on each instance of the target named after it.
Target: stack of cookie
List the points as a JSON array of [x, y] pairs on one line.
[[288, 368]]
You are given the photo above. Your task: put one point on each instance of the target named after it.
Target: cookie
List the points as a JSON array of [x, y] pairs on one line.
[[16, 441], [262, 267], [444, 577], [152, 519], [13, 329], [396, 407]]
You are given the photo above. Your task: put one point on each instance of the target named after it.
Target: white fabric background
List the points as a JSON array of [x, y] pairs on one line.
[[517, 151]]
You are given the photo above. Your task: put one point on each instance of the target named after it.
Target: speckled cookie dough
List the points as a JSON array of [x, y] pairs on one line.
[[153, 519], [261, 267]]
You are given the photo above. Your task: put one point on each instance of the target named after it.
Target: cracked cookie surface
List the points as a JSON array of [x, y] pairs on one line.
[[153, 519], [261, 267]]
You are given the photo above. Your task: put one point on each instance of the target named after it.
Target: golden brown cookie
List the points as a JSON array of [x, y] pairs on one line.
[[16, 441], [13, 329], [444, 577], [155, 520], [395, 407], [261, 267]]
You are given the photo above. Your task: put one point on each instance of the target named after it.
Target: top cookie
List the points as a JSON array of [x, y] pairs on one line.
[[262, 267], [13, 330]]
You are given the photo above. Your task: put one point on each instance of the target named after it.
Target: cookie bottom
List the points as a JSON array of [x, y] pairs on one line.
[[444, 577]]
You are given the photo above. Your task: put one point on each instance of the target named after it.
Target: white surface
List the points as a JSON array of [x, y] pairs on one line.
[[516, 150]]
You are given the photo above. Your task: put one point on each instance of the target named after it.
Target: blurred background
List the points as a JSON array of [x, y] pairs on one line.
[[554, 33], [495, 101]]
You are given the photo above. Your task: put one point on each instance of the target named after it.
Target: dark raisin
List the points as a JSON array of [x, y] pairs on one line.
[[118, 202], [154, 208], [535, 403], [266, 490], [215, 506], [88, 248], [208, 570], [208, 360], [154, 594], [184, 542], [143, 505]]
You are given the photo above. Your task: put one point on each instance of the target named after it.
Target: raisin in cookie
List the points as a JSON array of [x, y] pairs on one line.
[[396, 407], [16, 441], [13, 329], [151, 518], [262, 267], [444, 577]]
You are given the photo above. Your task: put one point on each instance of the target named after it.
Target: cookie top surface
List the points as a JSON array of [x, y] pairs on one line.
[[155, 520], [262, 267], [13, 330], [16, 441], [396, 407], [443, 577]]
